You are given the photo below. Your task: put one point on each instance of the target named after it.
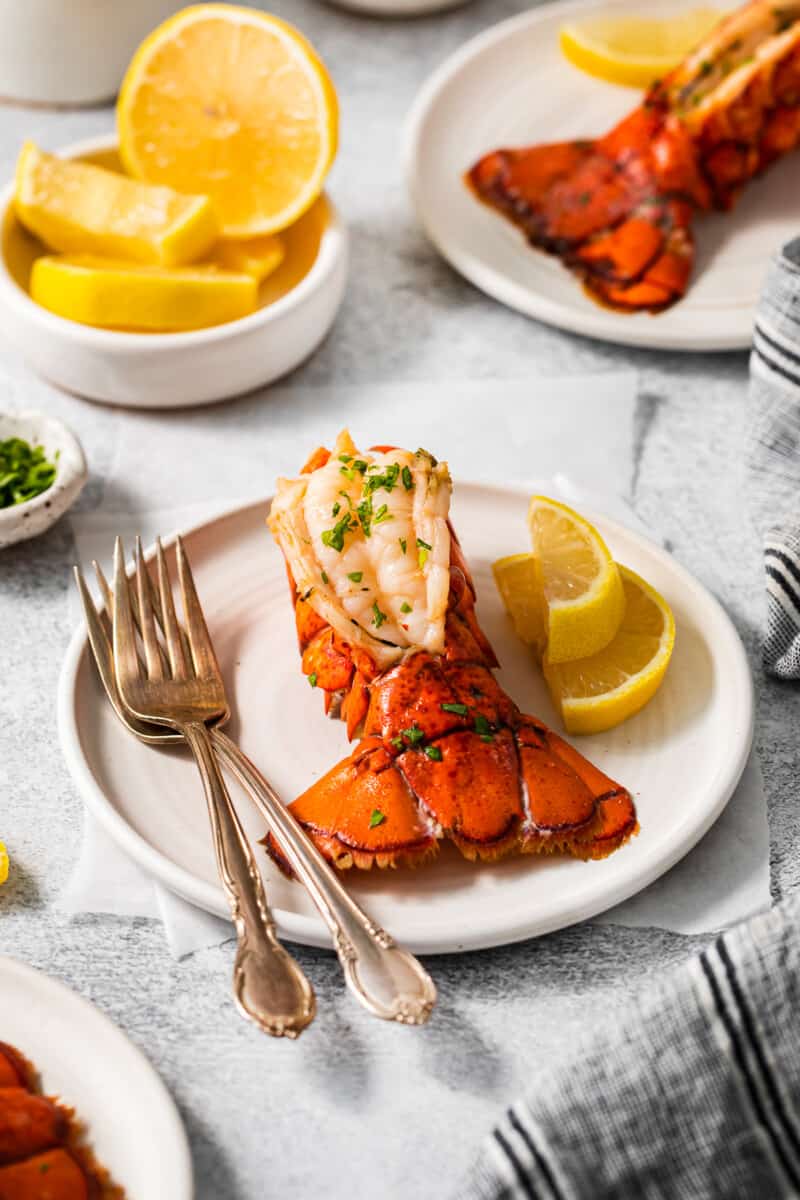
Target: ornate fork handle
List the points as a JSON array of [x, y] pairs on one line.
[[268, 986], [389, 981]]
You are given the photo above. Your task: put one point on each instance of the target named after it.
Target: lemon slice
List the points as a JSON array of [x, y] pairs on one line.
[[234, 103], [119, 295], [599, 692], [519, 589], [635, 50], [582, 596], [258, 257], [74, 206], [3, 863]]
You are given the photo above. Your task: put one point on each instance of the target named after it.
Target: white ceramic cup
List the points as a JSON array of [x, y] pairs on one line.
[[71, 52]]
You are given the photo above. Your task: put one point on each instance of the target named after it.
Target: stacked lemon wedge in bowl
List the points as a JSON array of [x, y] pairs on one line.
[[603, 635], [227, 125]]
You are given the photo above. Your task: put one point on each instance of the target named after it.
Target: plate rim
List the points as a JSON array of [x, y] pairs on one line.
[[600, 326], [169, 1118], [308, 929]]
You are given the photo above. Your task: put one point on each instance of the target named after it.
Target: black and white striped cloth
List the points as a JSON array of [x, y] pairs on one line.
[[693, 1094], [772, 455]]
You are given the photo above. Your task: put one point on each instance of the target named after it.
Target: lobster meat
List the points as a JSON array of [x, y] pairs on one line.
[[396, 649], [42, 1155], [618, 210]]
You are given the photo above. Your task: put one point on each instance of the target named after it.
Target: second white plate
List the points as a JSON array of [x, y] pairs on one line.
[[511, 86], [681, 757]]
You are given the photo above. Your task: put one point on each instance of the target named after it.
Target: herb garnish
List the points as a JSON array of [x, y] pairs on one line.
[[335, 537], [382, 515], [378, 617], [364, 510], [413, 735], [337, 508], [356, 576], [324, 577], [312, 679], [403, 544], [405, 607], [386, 480], [408, 483], [24, 472], [460, 710], [424, 550], [377, 818], [483, 728], [434, 753]]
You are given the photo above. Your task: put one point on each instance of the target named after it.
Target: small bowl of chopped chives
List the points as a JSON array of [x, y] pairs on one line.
[[42, 471]]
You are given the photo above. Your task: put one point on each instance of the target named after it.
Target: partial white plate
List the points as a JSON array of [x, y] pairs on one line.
[[682, 756], [397, 8], [22, 521], [131, 1120], [512, 86]]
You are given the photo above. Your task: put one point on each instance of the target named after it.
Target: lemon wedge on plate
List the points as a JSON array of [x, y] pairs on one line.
[[3, 863], [519, 589], [582, 595], [596, 693], [76, 207], [635, 50], [119, 295], [234, 103]]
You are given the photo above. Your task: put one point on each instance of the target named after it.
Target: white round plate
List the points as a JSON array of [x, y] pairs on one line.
[[681, 757], [131, 1120], [512, 86]]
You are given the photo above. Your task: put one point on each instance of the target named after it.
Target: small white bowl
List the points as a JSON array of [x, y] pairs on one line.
[[172, 370], [21, 521]]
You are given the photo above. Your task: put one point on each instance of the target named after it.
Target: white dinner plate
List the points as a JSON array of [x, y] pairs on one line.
[[512, 86], [681, 756], [131, 1121]]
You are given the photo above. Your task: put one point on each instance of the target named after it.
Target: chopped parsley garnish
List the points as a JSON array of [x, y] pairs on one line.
[[381, 515], [434, 753], [403, 544], [397, 742], [312, 679], [356, 576], [324, 577], [386, 480], [24, 472], [423, 551], [460, 710], [376, 818], [408, 482], [364, 510], [405, 607], [357, 466], [337, 508], [413, 735], [345, 458], [378, 617], [483, 728], [335, 537]]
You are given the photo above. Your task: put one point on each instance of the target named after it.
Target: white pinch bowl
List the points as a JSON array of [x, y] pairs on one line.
[[22, 521], [298, 302]]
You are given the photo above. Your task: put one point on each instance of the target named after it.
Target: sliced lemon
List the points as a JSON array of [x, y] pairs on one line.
[[582, 596], [599, 692], [519, 589], [235, 103], [258, 257], [119, 295], [3, 863], [76, 207], [635, 50]]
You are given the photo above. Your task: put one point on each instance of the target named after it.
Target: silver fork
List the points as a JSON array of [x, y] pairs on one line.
[[184, 693], [386, 979]]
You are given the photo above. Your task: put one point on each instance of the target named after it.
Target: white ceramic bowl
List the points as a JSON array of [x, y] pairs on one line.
[[397, 8], [171, 370], [28, 520], [69, 52]]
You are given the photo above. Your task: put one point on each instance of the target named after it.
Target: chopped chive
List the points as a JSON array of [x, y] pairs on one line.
[[405, 607], [360, 466], [408, 482], [324, 577], [345, 458], [364, 510], [397, 742], [403, 544], [434, 753], [356, 576], [377, 818], [382, 515], [422, 558], [337, 508], [460, 710], [483, 728], [312, 679], [335, 537], [413, 735], [378, 617]]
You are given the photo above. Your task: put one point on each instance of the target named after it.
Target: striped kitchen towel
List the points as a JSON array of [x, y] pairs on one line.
[[772, 455], [691, 1094]]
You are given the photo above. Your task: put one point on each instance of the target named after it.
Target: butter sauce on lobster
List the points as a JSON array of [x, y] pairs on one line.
[[618, 210], [385, 614]]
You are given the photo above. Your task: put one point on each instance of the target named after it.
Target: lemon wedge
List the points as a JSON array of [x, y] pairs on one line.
[[520, 592], [119, 295], [582, 596], [258, 257], [3, 863], [597, 693], [635, 50], [235, 103], [76, 207]]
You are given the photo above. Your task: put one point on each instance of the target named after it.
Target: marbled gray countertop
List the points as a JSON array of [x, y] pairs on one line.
[[358, 1109]]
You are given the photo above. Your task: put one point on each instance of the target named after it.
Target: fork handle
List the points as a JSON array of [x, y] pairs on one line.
[[386, 979], [268, 985]]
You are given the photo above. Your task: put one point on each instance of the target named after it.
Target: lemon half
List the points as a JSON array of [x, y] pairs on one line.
[[635, 51]]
